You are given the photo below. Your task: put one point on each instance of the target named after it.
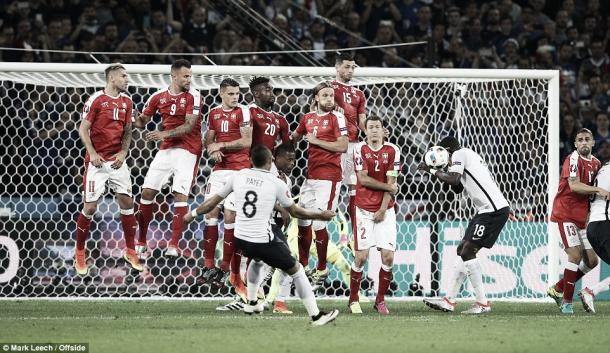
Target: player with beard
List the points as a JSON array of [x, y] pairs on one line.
[[325, 131]]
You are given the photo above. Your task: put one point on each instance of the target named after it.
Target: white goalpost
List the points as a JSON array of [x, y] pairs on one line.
[[510, 117]]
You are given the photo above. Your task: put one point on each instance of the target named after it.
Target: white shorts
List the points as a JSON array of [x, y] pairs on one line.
[[347, 165], [319, 194], [180, 163], [216, 182], [380, 235], [572, 236], [95, 179]]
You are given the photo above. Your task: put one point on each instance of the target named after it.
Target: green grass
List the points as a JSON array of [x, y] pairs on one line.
[[194, 326]]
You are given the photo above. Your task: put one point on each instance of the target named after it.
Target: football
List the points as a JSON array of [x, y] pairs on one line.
[[436, 157]]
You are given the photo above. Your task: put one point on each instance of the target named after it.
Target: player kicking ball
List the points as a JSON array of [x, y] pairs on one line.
[[377, 165], [256, 192], [468, 172]]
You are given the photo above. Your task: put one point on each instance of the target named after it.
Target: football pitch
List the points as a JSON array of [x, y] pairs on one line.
[[195, 326]]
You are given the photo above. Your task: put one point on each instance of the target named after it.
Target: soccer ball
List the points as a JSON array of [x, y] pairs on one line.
[[436, 157]]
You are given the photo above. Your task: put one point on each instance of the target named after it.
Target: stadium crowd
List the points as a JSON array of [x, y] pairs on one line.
[[569, 35]]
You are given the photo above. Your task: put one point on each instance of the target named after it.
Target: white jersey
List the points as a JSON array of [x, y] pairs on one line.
[[477, 181], [598, 210], [256, 191]]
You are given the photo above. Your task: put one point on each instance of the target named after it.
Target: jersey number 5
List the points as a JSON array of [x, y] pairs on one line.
[[249, 206]]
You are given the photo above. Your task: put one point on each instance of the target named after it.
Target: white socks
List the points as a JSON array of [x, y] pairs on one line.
[[256, 274], [304, 291], [475, 274], [459, 274], [285, 285]]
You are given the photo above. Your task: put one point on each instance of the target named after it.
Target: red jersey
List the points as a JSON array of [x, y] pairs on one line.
[[323, 164], [227, 125], [108, 117], [569, 206], [173, 109], [267, 127], [379, 164], [353, 103]]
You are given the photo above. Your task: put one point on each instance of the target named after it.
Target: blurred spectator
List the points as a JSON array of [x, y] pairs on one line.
[[567, 135]]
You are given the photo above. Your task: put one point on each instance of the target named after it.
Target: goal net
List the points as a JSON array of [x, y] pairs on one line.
[[506, 116]]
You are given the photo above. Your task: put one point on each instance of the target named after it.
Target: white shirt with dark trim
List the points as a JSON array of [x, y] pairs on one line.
[[256, 192], [599, 206], [478, 183], [275, 172]]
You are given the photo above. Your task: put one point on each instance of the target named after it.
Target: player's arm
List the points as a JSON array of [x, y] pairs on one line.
[[379, 215], [581, 188], [210, 137], [210, 202], [204, 208], [304, 213], [141, 120], [119, 158], [361, 120], [83, 132], [245, 141], [189, 122], [371, 183], [282, 195], [451, 178], [340, 145], [285, 214]]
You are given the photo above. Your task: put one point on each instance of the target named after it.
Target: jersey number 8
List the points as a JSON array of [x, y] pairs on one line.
[[249, 206]]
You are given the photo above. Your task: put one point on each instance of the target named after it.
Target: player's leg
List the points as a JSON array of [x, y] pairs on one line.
[[349, 179], [384, 233], [158, 174], [120, 182], [129, 224], [599, 240], [327, 196], [228, 238], [277, 254], [185, 167], [210, 233], [362, 243], [94, 180], [305, 237], [483, 231]]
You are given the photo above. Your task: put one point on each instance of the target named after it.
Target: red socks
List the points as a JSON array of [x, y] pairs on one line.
[[228, 247], [321, 247], [385, 278], [180, 209], [146, 214], [305, 238], [210, 238], [82, 230], [354, 285]]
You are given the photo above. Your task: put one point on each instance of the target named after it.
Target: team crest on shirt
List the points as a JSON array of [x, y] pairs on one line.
[[259, 115], [309, 121], [182, 102], [233, 116], [325, 123], [368, 155], [216, 116], [105, 105], [163, 101]]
